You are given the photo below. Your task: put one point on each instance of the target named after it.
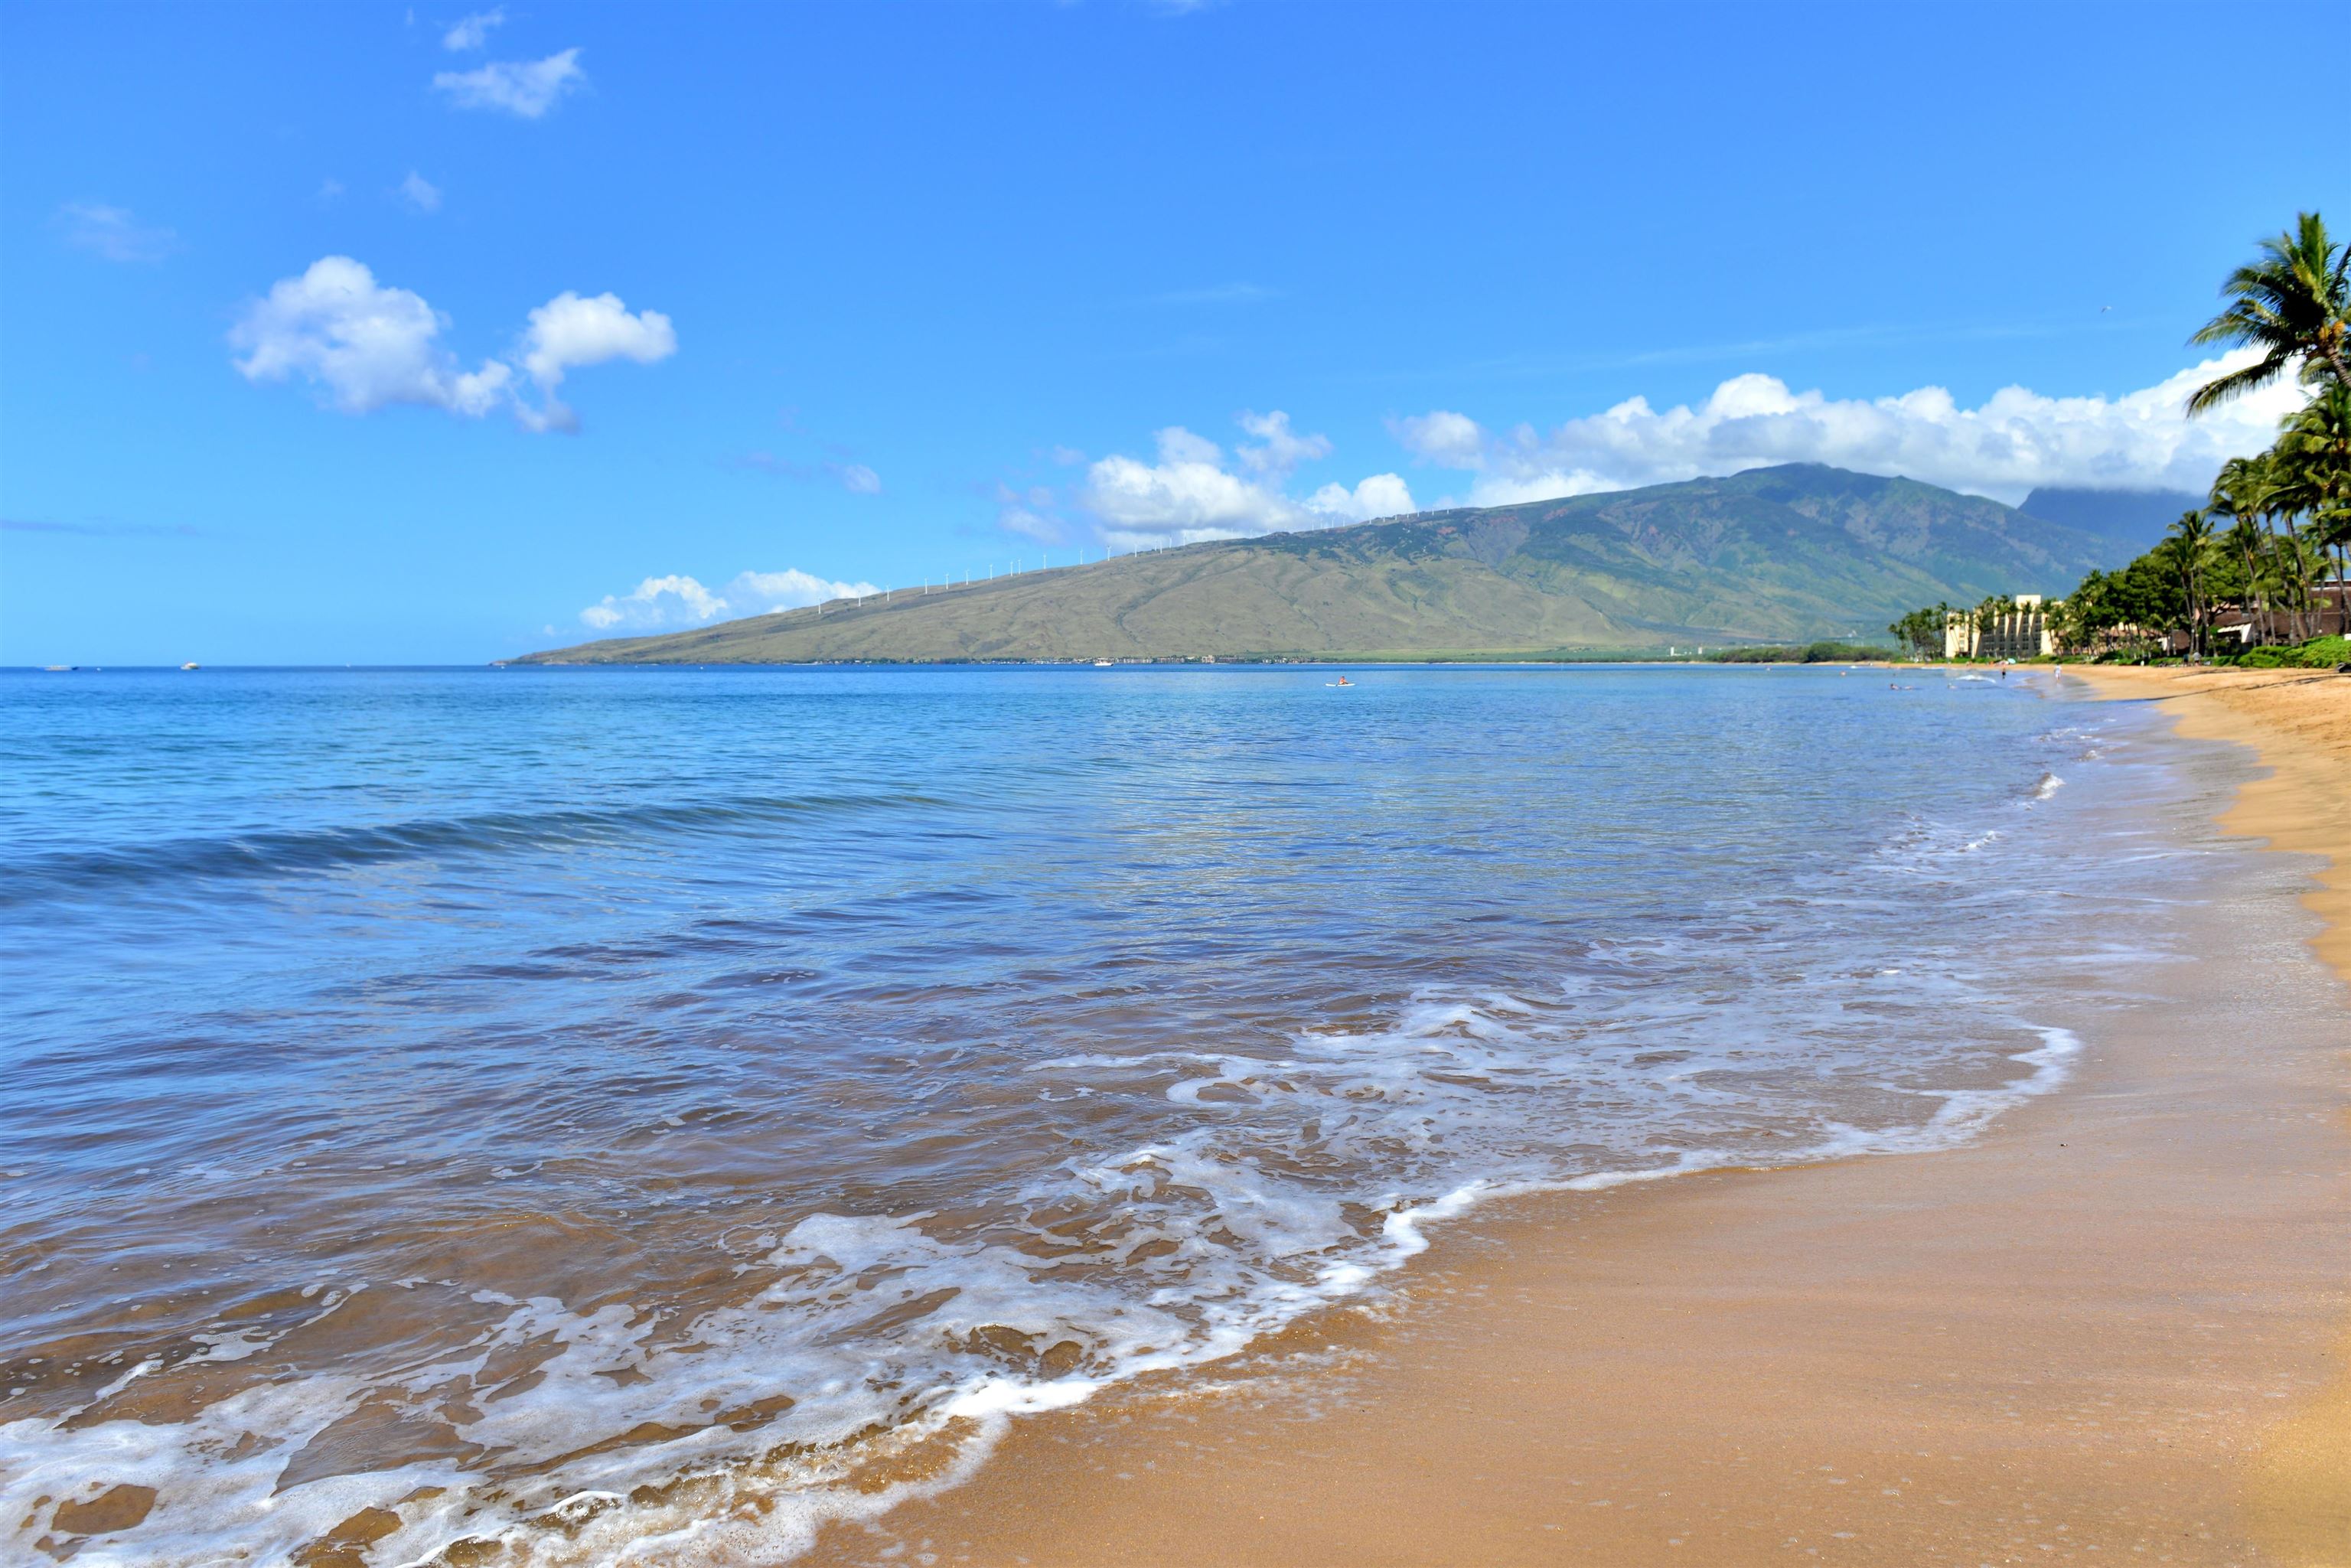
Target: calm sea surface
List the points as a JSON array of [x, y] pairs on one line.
[[620, 1113]]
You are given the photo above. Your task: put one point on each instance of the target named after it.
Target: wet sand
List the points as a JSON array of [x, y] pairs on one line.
[[2113, 1328]]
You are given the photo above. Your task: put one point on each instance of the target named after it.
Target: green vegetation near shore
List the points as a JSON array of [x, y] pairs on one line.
[[2257, 575], [2318, 654], [1810, 653]]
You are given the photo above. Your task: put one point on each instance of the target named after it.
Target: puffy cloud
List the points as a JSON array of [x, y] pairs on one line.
[[1381, 496], [112, 233], [369, 346], [568, 332], [2017, 439], [474, 32], [1453, 440], [757, 592], [659, 602], [420, 194], [525, 87], [1186, 496], [656, 601], [1191, 494], [1283, 449]]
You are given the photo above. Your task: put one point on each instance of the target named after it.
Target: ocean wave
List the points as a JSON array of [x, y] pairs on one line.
[[274, 853], [1295, 1182], [1219, 1110]]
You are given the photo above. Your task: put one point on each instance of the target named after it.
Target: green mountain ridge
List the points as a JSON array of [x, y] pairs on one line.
[[1772, 555]]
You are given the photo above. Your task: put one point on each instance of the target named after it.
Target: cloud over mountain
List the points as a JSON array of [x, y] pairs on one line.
[[679, 601], [1193, 492], [2017, 439]]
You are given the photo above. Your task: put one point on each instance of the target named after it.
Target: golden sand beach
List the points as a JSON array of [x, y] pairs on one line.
[[2113, 1329]]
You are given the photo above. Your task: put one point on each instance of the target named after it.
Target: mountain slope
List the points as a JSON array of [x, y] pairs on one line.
[[1774, 554], [2135, 520]]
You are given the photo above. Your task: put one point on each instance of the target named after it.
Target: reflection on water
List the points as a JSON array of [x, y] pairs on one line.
[[612, 1112]]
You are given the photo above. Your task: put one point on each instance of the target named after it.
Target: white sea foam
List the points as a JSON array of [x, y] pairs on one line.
[[1249, 1249], [1227, 1186]]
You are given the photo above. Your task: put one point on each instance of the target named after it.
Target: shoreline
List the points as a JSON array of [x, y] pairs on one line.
[[2114, 1323]]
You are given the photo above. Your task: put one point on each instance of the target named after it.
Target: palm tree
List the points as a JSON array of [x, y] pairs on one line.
[[2179, 554], [2245, 537], [2235, 492], [1988, 615], [2310, 469], [2192, 537], [2291, 305]]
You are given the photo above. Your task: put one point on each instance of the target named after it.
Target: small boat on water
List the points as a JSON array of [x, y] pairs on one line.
[[191, 664], [59, 669], [1342, 681], [1101, 663]]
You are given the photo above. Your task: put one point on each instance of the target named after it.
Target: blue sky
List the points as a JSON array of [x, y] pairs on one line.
[[360, 333]]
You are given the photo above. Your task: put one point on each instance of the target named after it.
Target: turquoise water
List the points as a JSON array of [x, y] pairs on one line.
[[608, 1111]]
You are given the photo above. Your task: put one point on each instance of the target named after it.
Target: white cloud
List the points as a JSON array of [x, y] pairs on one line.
[[2017, 439], [858, 480], [1190, 495], [757, 592], [330, 189], [656, 601], [1381, 496], [659, 602], [568, 332], [1184, 498], [1030, 514], [420, 194], [474, 32], [1453, 440], [1030, 525], [113, 232], [369, 345], [1283, 449], [525, 87]]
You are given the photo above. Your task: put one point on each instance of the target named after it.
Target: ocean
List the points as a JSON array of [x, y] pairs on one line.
[[637, 1114]]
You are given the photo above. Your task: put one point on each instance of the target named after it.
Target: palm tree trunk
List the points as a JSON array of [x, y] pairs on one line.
[[2303, 628], [2252, 588], [2277, 577]]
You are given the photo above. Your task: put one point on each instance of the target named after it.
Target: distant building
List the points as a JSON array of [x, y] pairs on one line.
[[2023, 633], [2328, 614]]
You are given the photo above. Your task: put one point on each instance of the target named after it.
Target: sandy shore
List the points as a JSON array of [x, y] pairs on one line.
[[2115, 1327]]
